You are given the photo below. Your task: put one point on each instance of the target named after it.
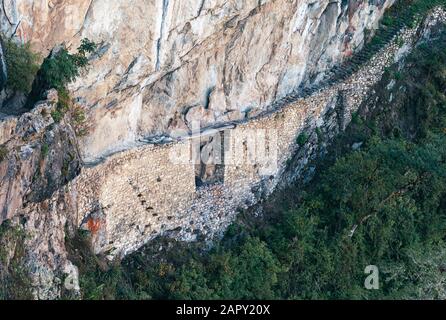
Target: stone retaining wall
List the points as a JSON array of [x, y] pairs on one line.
[[139, 194]]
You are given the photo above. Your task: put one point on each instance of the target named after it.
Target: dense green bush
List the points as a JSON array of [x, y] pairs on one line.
[[57, 71], [302, 139], [22, 66], [3, 152], [62, 67]]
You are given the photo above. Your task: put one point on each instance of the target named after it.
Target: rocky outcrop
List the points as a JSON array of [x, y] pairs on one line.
[[163, 64], [39, 157]]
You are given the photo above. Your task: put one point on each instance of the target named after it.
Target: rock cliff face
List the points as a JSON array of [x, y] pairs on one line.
[[160, 66], [38, 158], [3, 71], [163, 64]]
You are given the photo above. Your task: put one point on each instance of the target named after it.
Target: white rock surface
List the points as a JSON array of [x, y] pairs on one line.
[[164, 63]]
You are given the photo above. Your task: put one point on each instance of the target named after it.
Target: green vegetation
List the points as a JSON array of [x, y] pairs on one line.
[[45, 150], [57, 71], [383, 205], [3, 152], [62, 67], [319, 134], [22, 65], [15, 283], [404, 13], [388, 20], [400, 42], [63, 106], [356, 119], [302, 139]]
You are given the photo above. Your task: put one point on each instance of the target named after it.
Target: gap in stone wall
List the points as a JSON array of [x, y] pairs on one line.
[[210, 167]]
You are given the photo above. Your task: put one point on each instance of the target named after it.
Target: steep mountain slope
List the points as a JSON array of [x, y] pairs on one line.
[[155, 74], [377, 198]]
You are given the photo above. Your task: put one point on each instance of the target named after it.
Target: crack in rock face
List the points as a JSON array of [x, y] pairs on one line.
[[3, 71]]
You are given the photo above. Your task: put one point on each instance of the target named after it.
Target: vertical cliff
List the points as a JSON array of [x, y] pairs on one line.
[[163, 64], [3, 71], [38, 157], [160, 66]]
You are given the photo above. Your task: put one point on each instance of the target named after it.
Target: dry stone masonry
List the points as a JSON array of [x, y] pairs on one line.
[[151, 190]]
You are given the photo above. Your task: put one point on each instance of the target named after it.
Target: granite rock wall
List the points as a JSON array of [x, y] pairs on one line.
[[162, 64]]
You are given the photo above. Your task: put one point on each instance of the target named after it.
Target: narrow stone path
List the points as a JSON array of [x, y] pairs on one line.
[[400, 17]]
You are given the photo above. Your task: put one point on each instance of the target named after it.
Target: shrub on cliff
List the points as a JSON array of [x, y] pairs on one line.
[[61, 67], [57, 71], [22, 66], [3, 152]]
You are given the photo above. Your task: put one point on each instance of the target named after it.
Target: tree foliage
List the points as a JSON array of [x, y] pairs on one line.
[[63, 67], [57, 71], [21, 64]]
